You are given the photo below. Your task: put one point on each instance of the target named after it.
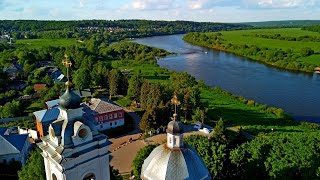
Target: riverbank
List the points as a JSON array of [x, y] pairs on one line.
[[282, 48], [237, 111]]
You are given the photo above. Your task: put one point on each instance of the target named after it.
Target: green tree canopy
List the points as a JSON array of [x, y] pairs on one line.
[[34, 169]]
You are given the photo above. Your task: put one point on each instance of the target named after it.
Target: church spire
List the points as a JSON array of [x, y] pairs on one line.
[[67, 63], [176, 103]]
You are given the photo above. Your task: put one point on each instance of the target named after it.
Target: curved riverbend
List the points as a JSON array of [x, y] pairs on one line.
[[296, 93]]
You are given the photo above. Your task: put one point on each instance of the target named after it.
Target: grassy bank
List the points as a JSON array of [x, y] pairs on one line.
[[287, 48], [237, 111]]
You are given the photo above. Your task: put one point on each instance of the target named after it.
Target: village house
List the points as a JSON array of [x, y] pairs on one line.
[[14, 146], [106, 114]]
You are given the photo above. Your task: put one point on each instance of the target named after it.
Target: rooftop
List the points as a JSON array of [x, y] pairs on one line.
[[47, 115], [11, 143], [100, 106]]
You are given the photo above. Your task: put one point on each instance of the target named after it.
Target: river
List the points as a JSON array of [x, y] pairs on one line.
[[297, 93]]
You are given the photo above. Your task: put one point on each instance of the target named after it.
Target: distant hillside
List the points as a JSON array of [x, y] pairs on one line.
[[170, 27], [292, 23]]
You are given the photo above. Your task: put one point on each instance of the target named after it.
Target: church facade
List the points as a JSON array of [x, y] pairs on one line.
[[74, 149]]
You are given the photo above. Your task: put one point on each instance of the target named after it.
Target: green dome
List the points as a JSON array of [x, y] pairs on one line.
[[70, 100]]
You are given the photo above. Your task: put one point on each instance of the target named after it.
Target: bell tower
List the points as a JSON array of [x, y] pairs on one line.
[[74, 149]]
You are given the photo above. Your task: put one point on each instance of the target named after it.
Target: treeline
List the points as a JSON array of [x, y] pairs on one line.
[[275, 57], [176, 26], [312, 28], [305, 38]]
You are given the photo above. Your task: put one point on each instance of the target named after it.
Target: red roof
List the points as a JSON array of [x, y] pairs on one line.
[[38, 87], [100, 107]]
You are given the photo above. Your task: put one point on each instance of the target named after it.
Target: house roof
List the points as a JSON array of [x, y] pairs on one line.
[[53, 103], [99, 106], [38, 87], [47, 115], [12, 143]]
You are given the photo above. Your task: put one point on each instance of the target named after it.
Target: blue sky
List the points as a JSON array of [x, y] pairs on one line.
[[194, 10]]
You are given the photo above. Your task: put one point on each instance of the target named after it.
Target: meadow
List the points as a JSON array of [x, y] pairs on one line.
[[39, 43], [287, 48]]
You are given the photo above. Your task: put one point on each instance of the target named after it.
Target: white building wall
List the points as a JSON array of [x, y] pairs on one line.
[[106, 125]]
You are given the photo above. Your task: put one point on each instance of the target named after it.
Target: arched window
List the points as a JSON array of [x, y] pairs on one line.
[[89, 176], [54, 177]]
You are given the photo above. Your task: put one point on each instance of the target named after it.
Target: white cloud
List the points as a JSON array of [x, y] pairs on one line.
[[151, 4], [280, 3], [197, 4]]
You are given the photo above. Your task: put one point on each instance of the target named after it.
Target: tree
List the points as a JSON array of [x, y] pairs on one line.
[[219, 132], [198, 115], [82, 78], [134, 88], [114, 81], [114, 174], [34, 169], [148, 120], [10, 109], [139, 159]]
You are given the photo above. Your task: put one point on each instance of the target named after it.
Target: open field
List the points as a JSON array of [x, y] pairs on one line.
[[287, 48], [38, 43], [240, 37]]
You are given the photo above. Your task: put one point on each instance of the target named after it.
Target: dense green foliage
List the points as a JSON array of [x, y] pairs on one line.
[[34, 169], [289, 155], [139, 159], [29, 124], [292, 49], [312, 28], [144, 27]]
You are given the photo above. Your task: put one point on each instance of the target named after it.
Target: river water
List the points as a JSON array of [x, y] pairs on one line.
[[297, 93]]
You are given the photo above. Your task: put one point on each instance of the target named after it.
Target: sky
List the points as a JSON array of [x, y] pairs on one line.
[[192, 10]]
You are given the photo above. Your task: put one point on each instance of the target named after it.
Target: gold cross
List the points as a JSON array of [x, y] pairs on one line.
[[176, 102], [67, 63]]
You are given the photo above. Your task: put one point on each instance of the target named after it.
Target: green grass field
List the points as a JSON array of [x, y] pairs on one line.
[[38, 43], [241, 38], [238, 37]]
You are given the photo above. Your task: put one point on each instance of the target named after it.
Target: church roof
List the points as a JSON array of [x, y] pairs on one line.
[[47, 115], [70, 100], [180, 164], [53, 103]]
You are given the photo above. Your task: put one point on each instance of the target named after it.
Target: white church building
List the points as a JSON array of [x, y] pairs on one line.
[[74, 149]]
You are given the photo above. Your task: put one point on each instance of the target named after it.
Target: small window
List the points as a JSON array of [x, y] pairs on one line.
[[106, 117], [110, 124], [115, 115], [101, 118], [170, 140], [120, 114], [174, 141], [115, 123], [110, 116], [101, 126]]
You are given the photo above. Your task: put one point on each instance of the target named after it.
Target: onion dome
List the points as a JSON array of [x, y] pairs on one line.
[[70, 100], [180, 164], [175, 127]]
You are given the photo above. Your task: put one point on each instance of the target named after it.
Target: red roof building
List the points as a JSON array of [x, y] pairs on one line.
[[39, 87], [106, 114]]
